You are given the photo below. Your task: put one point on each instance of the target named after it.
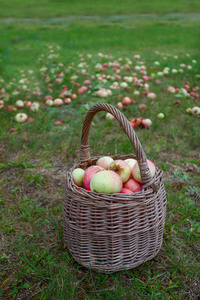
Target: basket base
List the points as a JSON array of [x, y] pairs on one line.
[[112, 255]]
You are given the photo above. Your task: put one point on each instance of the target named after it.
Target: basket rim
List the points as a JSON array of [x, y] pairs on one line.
[[137, 197]]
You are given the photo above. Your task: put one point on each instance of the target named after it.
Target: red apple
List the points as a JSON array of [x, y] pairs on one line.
[[133, 185], [89, 173], [58, 102], [151, 95], [126, 101], [126, 191], [146, 123], [19, 104]]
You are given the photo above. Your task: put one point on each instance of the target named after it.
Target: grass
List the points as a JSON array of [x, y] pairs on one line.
[[34, 157], [48, 9]]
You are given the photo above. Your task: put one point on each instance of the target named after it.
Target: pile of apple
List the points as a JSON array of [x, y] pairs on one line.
[[112, 176]]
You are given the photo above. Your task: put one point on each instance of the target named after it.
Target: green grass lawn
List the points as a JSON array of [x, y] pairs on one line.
[[51, 8], [34, 157]]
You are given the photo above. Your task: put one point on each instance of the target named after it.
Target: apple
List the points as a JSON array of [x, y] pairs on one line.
[[195, 110], [136, 93], [146, 123], [48, 98], [119, 104], [106, 181], [142, 107], [151, 95], [73, 96], [126, 191], [126, 101], [21, 117], [87, 82], [89, 173], [109, 116], [19, 103], [27, 103], [133, 185], [77, 176], [1, 104], [68, 100], [123, 84], [58, 102], [188, 110], [104, 162], [160, 116], [131, 162], [136, 170], [10, 108], [49, 102], [35, 106], [121, 168]]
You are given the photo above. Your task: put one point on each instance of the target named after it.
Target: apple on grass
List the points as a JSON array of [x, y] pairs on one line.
[[77, 176], [21, 117], [121, 168], [133, 185], [1, 104], [160, 116], [49, 102], [106, 181], [19, 104], [146, 123], [89, 173], [104, 162], [136, 170], [58, 102]]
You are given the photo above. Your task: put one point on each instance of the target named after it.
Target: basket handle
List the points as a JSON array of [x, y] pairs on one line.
[[147, 179]]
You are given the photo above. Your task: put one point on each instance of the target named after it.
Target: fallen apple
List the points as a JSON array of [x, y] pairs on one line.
[[19, 104], [109, 116], [21, 117], [1, 104], [146, 123], [126, 101], [151, 95], [58, 102], [160, 116], [195, 110], [49, 102], [35, 106]]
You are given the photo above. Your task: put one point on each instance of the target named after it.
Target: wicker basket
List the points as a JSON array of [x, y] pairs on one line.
[[112, 232]]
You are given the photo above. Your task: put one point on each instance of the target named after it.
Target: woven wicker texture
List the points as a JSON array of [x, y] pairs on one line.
[[113, 232]]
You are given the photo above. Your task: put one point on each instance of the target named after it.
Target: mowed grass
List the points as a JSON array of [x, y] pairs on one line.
[[35, 263], [52, 8], [21, 47]]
